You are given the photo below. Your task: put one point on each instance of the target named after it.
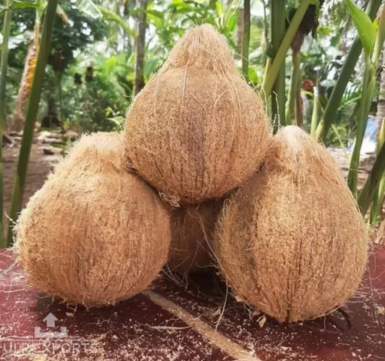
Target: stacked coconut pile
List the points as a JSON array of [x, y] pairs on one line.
[[196, 179]]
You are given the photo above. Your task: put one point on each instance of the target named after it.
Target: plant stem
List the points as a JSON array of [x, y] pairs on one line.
[[380, 192], [298, 98], [371, 65], [31, 115], [265, 38], [278, 99], [295, 67], [381, 142], [3, 115], [316, 108], [280, 56], [371, 184], [362, 119], [378, 197], [246, 39], [338, 91]]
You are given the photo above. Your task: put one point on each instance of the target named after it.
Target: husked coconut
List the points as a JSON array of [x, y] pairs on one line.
[[291, 241], [95, 234], [192, 229], [197, 130]]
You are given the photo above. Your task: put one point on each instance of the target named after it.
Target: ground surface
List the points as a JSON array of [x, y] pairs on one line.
[[170, 322]]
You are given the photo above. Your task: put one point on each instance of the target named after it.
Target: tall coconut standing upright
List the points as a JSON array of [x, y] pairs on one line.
[[197, 130]]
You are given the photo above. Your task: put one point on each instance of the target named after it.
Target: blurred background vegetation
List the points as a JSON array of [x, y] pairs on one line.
[[89, 80]]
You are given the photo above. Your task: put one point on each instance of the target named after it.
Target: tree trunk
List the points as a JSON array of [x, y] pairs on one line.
[[239, 33], [26, 82], [246, 39], [140, 44]]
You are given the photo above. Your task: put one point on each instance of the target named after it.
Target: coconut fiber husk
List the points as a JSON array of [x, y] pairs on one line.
[[197, 130], [100, 152], [94, 234], [192, 230], [291, 242]]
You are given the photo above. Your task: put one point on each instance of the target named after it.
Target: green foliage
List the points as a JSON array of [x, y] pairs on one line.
[[97, 104], [370, 37], [16, 5], [364, 25], [90, 8], [67, 39]]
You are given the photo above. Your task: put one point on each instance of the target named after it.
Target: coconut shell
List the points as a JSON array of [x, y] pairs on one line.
[[197, 130], [94, 234], [192, 230], [291, 242]]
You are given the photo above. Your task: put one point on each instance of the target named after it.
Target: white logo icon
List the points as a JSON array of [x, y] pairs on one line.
[[50, 322]]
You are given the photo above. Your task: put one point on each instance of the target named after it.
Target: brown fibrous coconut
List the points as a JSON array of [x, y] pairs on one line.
[[197, 130], [192, 231], [94, 234], [291, 242]]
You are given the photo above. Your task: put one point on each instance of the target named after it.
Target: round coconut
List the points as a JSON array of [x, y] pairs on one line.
[[291, 242], [94, 234], [197, 130], [192, 230]]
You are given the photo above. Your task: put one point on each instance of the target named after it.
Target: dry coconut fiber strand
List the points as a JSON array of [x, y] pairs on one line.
[[197, 130], [94, 234], [291, 242], [192, 230]]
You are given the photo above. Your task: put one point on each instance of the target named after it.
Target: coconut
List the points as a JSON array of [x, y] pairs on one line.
[[197, 130], [192, 230], [291, 242], [94, 234]]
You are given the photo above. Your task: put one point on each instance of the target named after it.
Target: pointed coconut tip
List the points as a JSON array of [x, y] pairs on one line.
[[297, 141], [102, 151], [204, 48], [292, 137], [294, 151]]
